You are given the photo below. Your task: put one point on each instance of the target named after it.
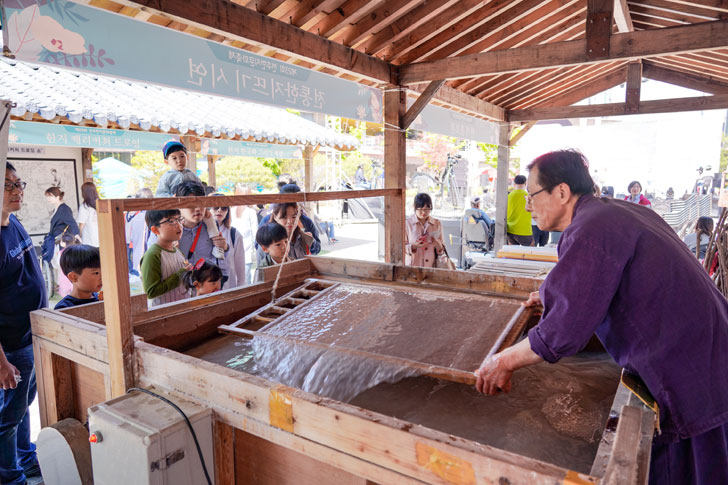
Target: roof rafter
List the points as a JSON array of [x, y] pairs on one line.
[[646, 43], [684, 79]]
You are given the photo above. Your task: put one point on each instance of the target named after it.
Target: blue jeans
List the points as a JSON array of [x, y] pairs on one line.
[[327, 227], [17, 453]]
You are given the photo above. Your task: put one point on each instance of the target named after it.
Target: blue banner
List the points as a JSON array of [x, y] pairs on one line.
[[51, 134], [435, 119], [80, 37]]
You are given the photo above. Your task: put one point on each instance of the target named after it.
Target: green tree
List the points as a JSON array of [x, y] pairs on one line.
[[724, 154], [150, 166], [252, 171]]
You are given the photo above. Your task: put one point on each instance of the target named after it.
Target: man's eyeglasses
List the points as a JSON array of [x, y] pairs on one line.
[[219, 208], [10, 186], [170, 222], [529, 197]]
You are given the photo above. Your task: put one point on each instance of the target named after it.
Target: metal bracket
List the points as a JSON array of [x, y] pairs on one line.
[[168, 460]]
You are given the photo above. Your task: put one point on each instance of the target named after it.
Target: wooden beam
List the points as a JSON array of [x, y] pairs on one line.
[[162, 203], [117, 301], [622, 17], [517, 137], [688, 80], [421, 103], [228, 19], [224, 453], [634, 86], [471, 104], [598, 28], [623, 465], [619, 109], [86, 165], [644, 43], [501, 188], [395, 156]]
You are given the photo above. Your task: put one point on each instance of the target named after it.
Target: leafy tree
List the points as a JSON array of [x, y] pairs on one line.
[[150, 165], [724, 153], [252, 171], [437, 147]]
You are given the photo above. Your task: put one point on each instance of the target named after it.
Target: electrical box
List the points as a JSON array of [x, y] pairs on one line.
[[138, 439]]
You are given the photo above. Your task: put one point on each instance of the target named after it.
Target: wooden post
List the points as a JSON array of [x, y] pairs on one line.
[[395, 158], [191, 143], [598, 28], [88, 174], [501, 189], [634, 84], [308, 181], [211, 159], [117, 297]]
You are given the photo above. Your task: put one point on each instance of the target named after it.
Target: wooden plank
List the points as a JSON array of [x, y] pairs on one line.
[[421, 103], [634, 86], [435, 371], [473, 105], [55, 390], [706, 83], [117, 299], [485, 284], [586, 90], [234, 200], [89, 389], [501, 188], [86, 338], [225, 447], [228, 19], [629, 45], [41, 381], [598, 28], [275, 465], [619, 109], [622, 17], [73, 356], [352, 268], [395, 157], [622, 466]]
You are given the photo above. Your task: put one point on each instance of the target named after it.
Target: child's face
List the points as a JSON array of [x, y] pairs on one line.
[[169, 229], [192, 217], [277, 249], [177, 160], [89, 280], [207, 287]]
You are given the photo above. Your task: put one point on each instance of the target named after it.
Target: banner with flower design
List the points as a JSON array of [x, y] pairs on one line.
[[80, 37]]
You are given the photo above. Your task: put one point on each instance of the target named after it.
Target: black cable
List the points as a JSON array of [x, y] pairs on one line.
[[189, 425]]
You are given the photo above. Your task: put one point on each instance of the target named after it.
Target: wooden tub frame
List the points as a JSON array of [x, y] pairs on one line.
[[269, 433]]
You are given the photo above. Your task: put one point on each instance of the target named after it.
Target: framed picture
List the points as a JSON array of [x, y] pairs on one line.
[[40, 174]]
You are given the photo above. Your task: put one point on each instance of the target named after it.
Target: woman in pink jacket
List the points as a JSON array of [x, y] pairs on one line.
[[635, 196], [424, 243]]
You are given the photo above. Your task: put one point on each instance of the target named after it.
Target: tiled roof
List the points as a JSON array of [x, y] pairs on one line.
[[77, 96]]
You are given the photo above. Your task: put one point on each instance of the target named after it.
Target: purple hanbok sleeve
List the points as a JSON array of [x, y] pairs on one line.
[[576, 297]]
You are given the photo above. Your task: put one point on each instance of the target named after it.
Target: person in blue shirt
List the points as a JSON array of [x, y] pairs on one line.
[[82, 266], [22, 290]]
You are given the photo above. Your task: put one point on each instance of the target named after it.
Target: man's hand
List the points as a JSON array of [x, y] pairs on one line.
[[495, 372], [493, 376], [534, 299], [7, 375]]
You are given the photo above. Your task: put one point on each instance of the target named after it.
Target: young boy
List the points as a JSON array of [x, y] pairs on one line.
[[82, 266], [163, 264], [273, 240], [175, 156]]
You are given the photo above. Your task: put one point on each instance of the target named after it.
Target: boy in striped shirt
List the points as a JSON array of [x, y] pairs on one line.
[[163, 264]]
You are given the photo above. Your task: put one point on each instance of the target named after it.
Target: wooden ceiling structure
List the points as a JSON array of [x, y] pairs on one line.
[[501, 60]]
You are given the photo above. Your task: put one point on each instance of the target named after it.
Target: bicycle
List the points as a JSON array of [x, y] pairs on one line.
[[435, 186]]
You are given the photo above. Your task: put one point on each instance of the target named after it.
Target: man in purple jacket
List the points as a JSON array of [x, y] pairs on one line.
[[625, 275]]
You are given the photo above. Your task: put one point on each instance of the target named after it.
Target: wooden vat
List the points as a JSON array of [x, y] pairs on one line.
[[268, 433]]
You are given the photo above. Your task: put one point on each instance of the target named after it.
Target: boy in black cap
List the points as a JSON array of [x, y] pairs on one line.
[[175, 156]]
